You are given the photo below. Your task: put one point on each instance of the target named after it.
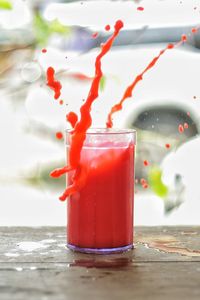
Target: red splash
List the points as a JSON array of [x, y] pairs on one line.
[[55, 85], [72, 118], [80, 76], [184, 37], [144, 183], [61, 102], [140, 8], [180, 128], [167, 146], [78, 134], [185, 125], [129, 90], [94, 35], [146, 163], [194, 30], [107, 27], [44, 50], [145, 186], [59, 135]]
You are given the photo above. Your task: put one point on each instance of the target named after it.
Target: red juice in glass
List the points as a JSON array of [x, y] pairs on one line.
[[100, 213]]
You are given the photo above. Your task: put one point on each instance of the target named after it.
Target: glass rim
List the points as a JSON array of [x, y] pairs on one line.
[[107, 131]]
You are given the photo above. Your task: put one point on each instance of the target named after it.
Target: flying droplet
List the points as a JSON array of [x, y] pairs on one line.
[[167, 146], [180, 128], [107, 27], [146, 163], [59, 135]]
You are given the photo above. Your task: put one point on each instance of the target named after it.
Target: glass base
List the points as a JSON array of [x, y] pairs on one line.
[[100, 250]]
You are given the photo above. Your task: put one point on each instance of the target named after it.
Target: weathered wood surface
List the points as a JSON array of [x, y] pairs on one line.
[[35, 264]]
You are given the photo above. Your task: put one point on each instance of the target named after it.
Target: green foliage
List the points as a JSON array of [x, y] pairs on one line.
[[5, 4], [102, 83], [155, 182], [44, 29]]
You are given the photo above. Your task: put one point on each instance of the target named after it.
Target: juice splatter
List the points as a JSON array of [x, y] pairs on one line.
[[167, 146], [80, 76], [194, 30], [61, 102], [140, 8], [55, 85], [107, 27], [146, 163], [94, 35], [185, 125], [180, 128], [44, 50], [72, 118], [144, 183], [59, 135], [129, 90], [79, 132], [184, 37], [145, 186]]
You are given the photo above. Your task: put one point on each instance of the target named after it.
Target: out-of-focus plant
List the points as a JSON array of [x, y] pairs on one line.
[[5, 4], [44, 29], [155, 182], [172, 195]]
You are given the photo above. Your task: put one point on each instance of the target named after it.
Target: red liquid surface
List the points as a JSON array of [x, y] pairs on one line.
[[100, 215]]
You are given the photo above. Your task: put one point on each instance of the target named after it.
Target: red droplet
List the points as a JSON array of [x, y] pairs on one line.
[[54, 84], [59, 135], [194, 30], [184, 38], [142, 181], [44, 50], [72, 118], [170, 46], [140, 8], [94, 35], [180, 128], [186, 126], [188, 113], [107, 27], [145, 186], [61, 102], [167, 146], [146, 163]]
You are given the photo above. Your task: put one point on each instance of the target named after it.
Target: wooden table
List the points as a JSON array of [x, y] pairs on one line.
[[35, 264]]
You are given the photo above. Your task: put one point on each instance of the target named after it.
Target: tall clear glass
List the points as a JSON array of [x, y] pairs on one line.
[[100, 214]]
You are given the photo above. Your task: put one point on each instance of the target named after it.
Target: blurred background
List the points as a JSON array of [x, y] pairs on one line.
[[164, 109]]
